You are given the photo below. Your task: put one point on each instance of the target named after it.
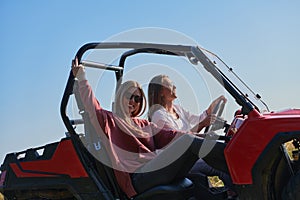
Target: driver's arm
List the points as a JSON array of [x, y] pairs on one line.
[[208, 120]]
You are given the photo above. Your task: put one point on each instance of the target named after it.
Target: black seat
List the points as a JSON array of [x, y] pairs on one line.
[[180, 189]]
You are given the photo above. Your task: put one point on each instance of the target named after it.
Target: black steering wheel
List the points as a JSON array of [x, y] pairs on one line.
[[218, 110]]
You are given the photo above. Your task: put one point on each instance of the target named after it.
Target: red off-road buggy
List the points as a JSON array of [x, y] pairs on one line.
[[77, 166]]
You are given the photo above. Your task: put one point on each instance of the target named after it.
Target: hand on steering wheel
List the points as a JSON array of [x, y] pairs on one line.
[[216, 108]]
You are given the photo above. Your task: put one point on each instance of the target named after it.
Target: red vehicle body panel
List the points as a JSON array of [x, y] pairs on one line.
[[64, 162], [252, 138]]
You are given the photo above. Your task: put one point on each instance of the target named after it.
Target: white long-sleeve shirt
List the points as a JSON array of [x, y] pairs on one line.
[[184, 122]]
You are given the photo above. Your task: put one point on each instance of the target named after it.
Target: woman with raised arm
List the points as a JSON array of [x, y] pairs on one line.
[[133, 143]]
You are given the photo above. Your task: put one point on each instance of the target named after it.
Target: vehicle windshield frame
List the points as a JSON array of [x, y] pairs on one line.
[[242, 93]]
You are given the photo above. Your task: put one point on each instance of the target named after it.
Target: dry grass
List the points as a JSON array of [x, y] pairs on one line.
[[215, 181], [290, 147]]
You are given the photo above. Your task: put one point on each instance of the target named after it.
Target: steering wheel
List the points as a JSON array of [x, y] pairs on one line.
[[218, 110]]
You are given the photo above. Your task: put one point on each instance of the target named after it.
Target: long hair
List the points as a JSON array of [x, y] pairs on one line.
[[129, 126], [155, 100]]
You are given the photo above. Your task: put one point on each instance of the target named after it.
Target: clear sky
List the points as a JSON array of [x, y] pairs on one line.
[[38, 39]]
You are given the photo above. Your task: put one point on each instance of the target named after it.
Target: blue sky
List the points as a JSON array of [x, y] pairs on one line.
[[39, 38]]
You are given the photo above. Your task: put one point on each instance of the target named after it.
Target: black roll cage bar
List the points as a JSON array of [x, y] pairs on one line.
[[193, 53]]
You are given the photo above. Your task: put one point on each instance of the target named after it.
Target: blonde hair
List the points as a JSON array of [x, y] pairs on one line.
[[129, 126]]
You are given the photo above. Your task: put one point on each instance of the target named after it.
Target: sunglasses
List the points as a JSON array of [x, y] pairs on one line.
[[135, 98]]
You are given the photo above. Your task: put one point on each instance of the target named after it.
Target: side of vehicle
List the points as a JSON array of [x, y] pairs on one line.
[[263, 166], [53, 171]]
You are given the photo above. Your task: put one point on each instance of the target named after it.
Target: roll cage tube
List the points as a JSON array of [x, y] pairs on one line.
[[194, 54], [144, 50], [136, 51]]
